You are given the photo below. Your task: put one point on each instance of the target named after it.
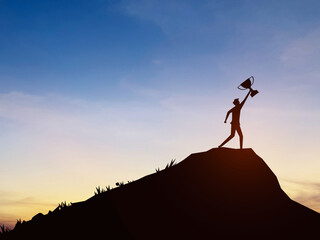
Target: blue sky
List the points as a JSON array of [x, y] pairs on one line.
[[90, 48], [94, 92]]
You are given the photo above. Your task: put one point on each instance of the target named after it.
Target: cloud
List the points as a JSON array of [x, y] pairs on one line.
[[56, 115], [302, 51], [304, 192], [156, 61], [8, 220], [13, 206], [171, 16], [24, 202], [56, 130]]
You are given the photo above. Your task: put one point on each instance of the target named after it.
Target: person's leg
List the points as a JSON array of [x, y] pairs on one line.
[[240, 136], [233, 131]]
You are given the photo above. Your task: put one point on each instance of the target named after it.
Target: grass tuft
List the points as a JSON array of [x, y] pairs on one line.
[[63, 205], [99, 190], [169, 165], [4, 229], [19, 223], [119, 184], [172, 163]]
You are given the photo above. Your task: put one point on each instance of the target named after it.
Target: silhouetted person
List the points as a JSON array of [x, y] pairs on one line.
[[235, 123]]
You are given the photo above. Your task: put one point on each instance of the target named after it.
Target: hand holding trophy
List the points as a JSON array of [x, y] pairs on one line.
[[247, 85]]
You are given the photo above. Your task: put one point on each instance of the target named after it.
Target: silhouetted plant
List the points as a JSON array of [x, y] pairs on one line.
[[119, 184], [99, 190], [172, 163], [63, 205], [19, 223], [4, 229]]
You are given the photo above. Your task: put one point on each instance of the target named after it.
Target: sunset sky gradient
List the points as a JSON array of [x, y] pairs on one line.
[[97, 92]]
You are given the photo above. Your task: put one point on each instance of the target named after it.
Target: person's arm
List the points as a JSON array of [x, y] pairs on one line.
[[228, 113], [245, 99]]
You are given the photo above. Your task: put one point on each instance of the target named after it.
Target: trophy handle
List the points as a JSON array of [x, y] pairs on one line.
[[241, 88], [252, 80]]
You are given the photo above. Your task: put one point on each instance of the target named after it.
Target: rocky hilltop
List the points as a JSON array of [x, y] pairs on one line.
[[219, 194]]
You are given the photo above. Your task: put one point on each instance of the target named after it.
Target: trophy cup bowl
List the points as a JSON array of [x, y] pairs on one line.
[[247, 85]]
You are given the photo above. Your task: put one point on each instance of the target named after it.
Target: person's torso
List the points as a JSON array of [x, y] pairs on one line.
[[236, 115]]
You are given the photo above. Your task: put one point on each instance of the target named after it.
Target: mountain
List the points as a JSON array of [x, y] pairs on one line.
[[219, 194]]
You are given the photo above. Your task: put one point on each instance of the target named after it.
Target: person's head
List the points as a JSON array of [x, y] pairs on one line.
[[236, 101]]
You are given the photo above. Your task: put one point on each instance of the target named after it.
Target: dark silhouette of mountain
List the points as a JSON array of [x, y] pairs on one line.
[[219, 194]]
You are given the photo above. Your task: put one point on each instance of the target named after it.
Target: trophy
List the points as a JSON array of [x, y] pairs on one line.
[[247, 85]]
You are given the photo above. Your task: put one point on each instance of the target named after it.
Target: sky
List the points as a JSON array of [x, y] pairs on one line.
[[103, 91]]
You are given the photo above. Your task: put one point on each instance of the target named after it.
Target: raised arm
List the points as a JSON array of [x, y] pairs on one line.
[[245, 99], [228, 113]]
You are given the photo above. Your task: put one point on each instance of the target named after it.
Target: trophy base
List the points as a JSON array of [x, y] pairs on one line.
[[253, 93]]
